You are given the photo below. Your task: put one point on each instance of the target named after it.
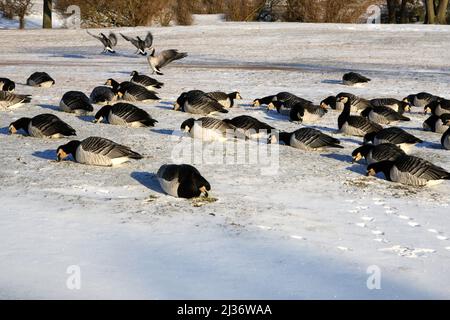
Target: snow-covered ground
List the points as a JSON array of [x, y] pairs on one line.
[[310, 230]]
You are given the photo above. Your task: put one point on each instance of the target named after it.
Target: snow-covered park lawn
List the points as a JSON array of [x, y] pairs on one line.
[[310, 229]]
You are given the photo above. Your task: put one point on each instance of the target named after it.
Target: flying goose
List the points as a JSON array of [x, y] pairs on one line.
[[129, 91], [108, 42], [12, 100], [141, 45], [103, 95], [40, 79], [438, 124], [183, 181], [43, 125], [383, 115], [394, 104], [125, 114], [7, 85], [357, 104], [198, 102], [225, 99], [438, 107], [208, 129], [145, 81], [355, 125], [306, 139], [409, 170], [97, 151], [75, 102], [249, 126], [376, 153], [445, 140], [162, 59], [393, 135], [354, 79], [421, 99]]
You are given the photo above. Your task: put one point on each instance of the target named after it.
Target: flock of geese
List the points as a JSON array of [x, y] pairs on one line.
[[386, 149]]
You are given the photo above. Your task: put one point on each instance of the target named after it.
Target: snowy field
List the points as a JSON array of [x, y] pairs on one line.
[[309, 230]]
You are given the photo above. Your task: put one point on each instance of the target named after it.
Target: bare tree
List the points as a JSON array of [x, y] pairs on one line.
[[392, 8], [47, 17], [436, 11], [19, 8]]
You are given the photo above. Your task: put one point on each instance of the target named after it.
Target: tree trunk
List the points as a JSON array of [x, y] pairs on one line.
[[47, 19], [403, 12], [442, 12], [21, 22], [391, 4], [431, 15]]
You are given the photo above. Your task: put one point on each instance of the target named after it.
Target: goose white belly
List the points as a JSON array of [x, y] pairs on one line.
[[353, 84], [311, 117], [46, 84], [225, 103], [169, 187], [67, 109], [440, 127], [205, 134]]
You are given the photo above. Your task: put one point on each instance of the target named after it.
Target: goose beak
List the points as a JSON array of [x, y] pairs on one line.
[[408, 108], [97, 120], [61, 155], [12, 130], [357, 158], [371, 173], [186, 129], [176, 106], [204, 191], [255, 103], [324, 106]]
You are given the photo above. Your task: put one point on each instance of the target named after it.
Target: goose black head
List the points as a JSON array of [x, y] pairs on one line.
[[187, 125], [361, 152], [65, 150], [235, 95], [329, 102], [152, 52], [382, 166], [445, 118], [134, 73], [256, 103], [431, 107], [365, 113], [179, 104], [102, 113], [369, 137], [275, 105], [281, 137], [112, 83], [21, 124]]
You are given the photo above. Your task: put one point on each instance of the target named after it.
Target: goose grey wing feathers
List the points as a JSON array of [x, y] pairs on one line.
[[8, 99], [129, 112], [421, 168], [167, 56], [49, 124], [314, 138], [108, 148], [363, 124], [148, 40]]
